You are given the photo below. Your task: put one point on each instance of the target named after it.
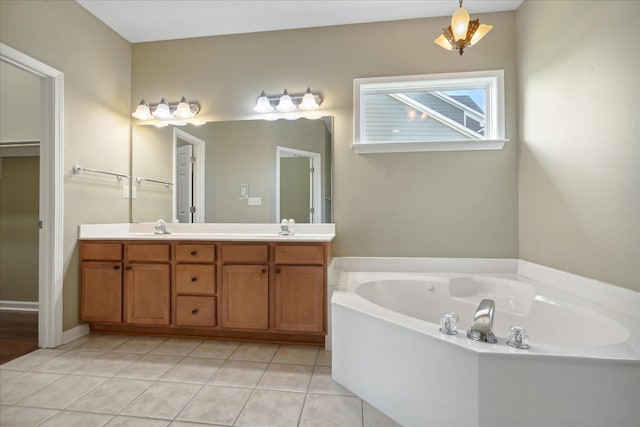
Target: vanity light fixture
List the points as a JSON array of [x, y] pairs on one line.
[[462, 32], [286, 103], [165, 111]]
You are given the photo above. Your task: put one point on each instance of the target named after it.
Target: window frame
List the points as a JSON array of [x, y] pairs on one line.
[[492, 80]]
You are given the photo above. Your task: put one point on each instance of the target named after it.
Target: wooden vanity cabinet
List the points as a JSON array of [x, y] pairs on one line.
[[195, 285], [147, 283], [101, 282], [264, 291], [244, 288], [299, 288]]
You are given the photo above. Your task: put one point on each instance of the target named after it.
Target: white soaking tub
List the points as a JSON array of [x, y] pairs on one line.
[[582, 367]]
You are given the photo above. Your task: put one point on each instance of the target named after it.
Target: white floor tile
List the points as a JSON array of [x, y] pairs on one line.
[[254, 352], [270, 408], [76, 419], [63, 392], [215, 349], [321, 382], [286, 377], [296, 354], [19, 387], [120, 421], [176, 346], [193, 370], [18, 416], [149, 367], [111, 396], [215, 405], [140, 345], [327, 411], [162, 400], [238, 373]]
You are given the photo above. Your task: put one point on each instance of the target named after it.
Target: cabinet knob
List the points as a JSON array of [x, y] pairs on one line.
[[193, 279], [116, 267], [277, 270], [194, 253], [194, 311], [128, 267], [264, 270]]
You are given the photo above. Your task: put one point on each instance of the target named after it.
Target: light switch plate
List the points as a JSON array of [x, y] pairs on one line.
[[125, 191], [255, 201]]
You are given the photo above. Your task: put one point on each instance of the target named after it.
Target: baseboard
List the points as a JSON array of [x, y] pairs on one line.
[[19, 305], [75, 333]]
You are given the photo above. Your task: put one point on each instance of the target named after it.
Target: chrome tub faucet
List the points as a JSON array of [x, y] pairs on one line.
[[481, 328]]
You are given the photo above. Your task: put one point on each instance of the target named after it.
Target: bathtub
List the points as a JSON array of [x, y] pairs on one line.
[[582, 367]]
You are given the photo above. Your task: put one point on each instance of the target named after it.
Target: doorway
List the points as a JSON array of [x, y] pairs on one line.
[[50, 199], [189, 170], [298, 185]]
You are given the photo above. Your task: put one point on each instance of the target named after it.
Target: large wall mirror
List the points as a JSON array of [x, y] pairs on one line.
[[252, 171]]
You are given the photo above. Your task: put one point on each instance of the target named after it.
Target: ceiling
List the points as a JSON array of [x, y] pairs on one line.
[[153, 20]]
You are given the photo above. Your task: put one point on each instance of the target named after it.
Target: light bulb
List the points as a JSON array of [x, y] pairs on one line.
[[286, 104], [263, 105], [162, 111], [308, 101], [460, 24], [482, 31], [142, 111], [184, 109]]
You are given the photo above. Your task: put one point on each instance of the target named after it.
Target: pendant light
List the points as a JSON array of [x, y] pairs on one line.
[[462, 32]]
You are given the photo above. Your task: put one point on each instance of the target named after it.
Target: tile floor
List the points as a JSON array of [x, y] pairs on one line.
[[114, 381]]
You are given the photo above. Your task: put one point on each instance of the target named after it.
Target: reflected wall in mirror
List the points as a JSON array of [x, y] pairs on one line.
[[254, 171]]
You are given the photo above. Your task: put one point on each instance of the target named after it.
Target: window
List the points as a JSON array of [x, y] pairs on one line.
[[438, 112]]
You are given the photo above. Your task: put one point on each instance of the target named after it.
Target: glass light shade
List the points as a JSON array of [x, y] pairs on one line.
[[286, 104], [482, 31], [162, 111], [443, 42], [142, 111], [308, 101], [262, 104], [184, 109], [460, 24]]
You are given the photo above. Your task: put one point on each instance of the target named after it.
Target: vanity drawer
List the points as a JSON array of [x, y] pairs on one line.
[[158, 252], [196, 279], [299, 254], [252, 254], [101, 251], [195, 311], [190, 252]]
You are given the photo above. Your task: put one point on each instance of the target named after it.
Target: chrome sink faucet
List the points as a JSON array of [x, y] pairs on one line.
[[161, 227], [286, 227], [481, 328]]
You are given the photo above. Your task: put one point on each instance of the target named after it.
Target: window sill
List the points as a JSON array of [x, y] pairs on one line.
[[413, 147]]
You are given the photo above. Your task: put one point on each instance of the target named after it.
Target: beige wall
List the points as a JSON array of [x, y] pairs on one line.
[[20, 98], [97, 86], [461, 204], [19, 188], [579, 192]]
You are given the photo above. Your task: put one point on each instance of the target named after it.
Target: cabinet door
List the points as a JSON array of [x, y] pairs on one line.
[[148, 290], [101, 292], [245, 297], [299, 297]]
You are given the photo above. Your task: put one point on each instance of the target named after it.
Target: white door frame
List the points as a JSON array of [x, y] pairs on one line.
[[198, 172], [50, 264], [316, 184]]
